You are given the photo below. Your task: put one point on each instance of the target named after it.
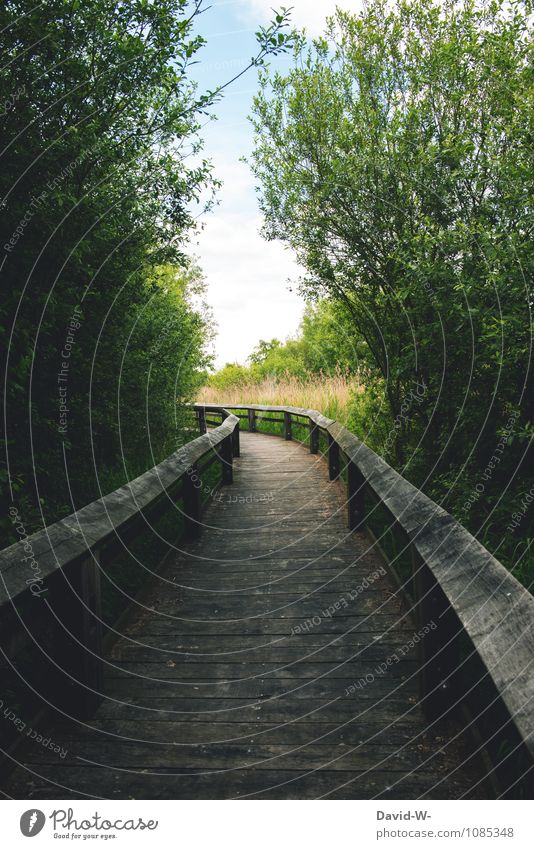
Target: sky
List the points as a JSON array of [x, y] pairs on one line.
[[247, 277]]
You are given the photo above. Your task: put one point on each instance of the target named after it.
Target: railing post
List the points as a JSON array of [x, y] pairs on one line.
[[192, 503], [252, 421], [91, 627], [236, 450], [201, 416], [333, 458], [226, 457], [287, 427], [76, 684], [314, 438], [439, 656], [355, 497]]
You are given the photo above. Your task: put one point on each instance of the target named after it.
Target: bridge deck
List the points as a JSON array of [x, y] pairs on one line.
[[244, 674]]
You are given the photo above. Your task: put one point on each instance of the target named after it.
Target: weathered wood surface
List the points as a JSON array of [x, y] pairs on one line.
[[93, 526], [494, 609], [217, 689]]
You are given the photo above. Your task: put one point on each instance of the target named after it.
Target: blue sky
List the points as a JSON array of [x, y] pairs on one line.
[[246, 276]]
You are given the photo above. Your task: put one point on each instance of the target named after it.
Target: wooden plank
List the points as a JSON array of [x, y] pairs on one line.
[[369, 710], [217, 695], [495, 611], [91, 782]]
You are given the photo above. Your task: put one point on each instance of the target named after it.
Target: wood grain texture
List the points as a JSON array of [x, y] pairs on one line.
[[93, 526], [256, 666], [493, 608]]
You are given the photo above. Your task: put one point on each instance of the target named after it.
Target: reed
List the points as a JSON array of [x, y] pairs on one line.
[[330, 394]]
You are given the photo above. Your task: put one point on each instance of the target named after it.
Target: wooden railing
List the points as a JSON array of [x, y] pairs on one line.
[[481, 653], [50, 597]]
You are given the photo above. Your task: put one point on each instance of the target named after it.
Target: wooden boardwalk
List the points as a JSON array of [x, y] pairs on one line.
[[261, 664]]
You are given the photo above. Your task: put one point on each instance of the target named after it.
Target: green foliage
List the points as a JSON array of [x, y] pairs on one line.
[[395, 158], [274, 359], [324, 345], [232, 374], [328, 339], [102, 181], [97, 312]]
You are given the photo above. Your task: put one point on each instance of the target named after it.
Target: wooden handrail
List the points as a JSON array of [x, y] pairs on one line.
[[458, 583], [52, 577]]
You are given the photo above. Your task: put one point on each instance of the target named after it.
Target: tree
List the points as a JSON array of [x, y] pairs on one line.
[[263, 350], [101, 180], [330, 344], [396, 159]]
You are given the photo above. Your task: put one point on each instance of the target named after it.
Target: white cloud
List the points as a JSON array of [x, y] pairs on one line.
[[310, 14], [246, 276]]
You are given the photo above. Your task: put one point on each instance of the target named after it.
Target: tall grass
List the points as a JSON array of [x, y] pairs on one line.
[[331, 395]]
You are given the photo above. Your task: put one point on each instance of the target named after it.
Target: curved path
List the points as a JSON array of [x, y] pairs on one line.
[[271, 659]]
